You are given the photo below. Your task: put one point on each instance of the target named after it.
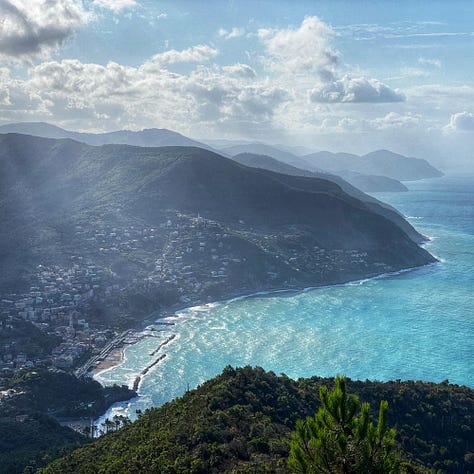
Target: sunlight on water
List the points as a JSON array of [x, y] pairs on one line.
[[415, 325]]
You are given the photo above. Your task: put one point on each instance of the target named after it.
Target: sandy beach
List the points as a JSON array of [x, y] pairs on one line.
[[113, 358]]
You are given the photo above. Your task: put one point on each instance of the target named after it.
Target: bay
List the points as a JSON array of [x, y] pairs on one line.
[[416, 325]]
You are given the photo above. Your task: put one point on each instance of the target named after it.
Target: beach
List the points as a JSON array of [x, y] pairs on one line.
[[112, 359]]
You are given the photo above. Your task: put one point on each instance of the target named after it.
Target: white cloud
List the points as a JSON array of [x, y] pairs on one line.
[[115, 5], [195, 54], [306, 53], [462, 121], [361, 89], [233, 33], [311, 94], [394, 120], [304, 49], [211, 98], [30, 29], [430, 62], [240, 70]]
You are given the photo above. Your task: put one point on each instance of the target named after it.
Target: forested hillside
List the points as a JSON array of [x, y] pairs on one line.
[[241, 421]]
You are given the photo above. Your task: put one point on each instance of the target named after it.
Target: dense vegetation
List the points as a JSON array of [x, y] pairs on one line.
[[30, 434], [241, 421], [32, 441], [338, 439], [21, 336], [60, 393]]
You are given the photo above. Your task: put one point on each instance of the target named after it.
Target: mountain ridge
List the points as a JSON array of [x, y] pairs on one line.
[[241, 420], [151, 137], [272, 164], [366, 183], [280, 231], [379, 162]]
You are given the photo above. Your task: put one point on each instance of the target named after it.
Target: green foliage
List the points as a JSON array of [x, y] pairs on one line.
[[33, 442], [60, 393], [29, 435], [241, 421], [335, 440]]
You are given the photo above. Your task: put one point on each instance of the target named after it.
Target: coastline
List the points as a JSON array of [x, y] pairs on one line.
[[116, 356], [113, 359]]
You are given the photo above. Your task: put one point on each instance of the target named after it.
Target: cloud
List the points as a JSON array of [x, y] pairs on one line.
[[348, 89], [430, 62], [30, 29], [233, 33], [240, 70], [115, 5], [304, 49], [462, 121], [394, 120], [306, 53], [195, 54], [208, 98]]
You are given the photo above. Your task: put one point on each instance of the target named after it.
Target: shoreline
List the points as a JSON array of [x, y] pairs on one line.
[[116, 356], [112, 359]]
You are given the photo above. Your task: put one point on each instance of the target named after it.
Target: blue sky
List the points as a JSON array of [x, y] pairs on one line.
[[339, 75]]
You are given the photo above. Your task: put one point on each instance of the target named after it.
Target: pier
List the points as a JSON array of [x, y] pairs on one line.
[[138, 379], [167, 341]]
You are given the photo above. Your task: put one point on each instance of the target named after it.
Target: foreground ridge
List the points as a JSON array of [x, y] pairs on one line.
[[241, 420]]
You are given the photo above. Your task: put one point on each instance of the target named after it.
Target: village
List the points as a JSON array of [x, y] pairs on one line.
[[189, 258]]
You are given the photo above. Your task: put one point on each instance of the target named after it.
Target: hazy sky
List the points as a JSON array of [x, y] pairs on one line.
[[345, 76]]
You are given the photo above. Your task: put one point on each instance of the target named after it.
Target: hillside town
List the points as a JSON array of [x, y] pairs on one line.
[[188, 260]]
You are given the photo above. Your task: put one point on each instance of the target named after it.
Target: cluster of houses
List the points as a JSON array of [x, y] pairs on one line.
[[58, 305], [186, 253], [115, 240]]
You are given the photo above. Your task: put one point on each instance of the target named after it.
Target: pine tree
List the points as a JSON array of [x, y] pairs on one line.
[[337, 441]]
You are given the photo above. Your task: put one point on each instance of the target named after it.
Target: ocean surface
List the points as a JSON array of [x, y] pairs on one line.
[[415, 325]]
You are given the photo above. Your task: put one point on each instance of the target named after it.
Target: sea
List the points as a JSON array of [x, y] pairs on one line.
[[413, 325]]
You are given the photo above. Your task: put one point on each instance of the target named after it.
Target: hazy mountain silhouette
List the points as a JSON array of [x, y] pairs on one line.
[[380, 162], [153, 137], [48, 186]]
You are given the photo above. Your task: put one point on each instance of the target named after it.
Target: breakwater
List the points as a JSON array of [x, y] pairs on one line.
[[139, 377], [166, 341]]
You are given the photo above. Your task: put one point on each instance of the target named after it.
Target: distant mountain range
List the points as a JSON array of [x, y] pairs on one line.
[[379, 171], [261, 149], [369, 172], [380, 162], [366, 183], [281, 230], [153, 137]]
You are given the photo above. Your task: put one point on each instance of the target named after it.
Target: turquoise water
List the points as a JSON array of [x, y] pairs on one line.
[[415, 325]]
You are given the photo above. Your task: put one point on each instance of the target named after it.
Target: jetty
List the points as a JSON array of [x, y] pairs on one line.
[[166, 341], [139, 377]]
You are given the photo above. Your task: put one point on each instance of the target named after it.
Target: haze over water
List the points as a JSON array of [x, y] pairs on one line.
[[416, 325]]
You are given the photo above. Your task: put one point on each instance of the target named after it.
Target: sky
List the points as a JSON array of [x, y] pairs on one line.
[[350, 76]]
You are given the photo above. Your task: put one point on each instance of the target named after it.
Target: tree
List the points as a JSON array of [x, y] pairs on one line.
[[336, 441]]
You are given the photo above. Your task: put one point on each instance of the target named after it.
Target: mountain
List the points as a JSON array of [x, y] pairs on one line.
[[298, 150], [267, 162], [262, 149], [380, 162], [366, 183], [183, 223], [370, 183], [152, 137], [349, 186], [400, 167], [241, 422]]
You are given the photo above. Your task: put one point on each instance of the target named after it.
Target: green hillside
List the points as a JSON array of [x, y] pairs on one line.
[[241, 421], [192, 224]]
